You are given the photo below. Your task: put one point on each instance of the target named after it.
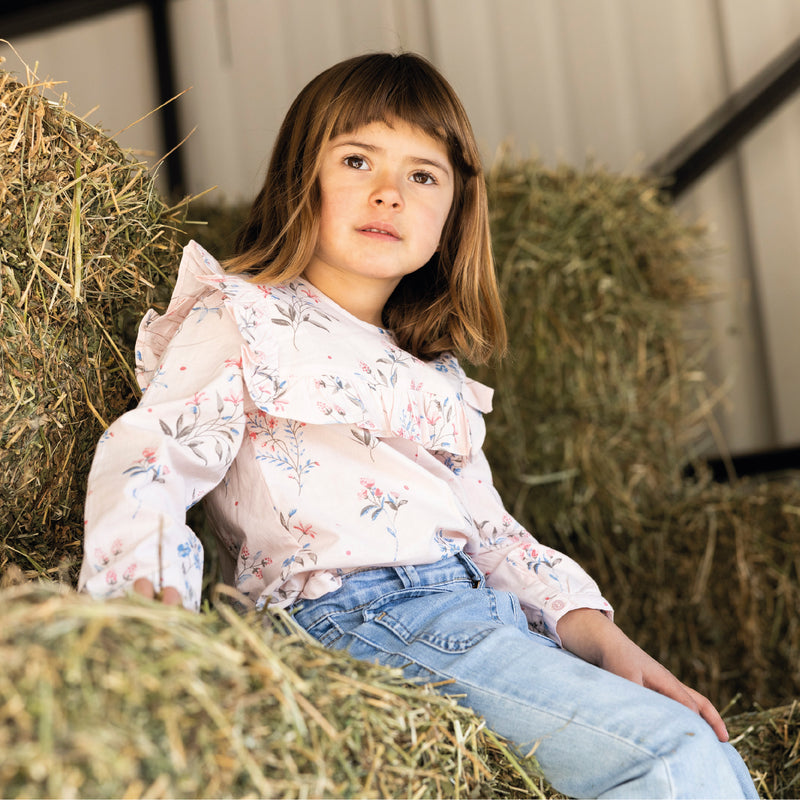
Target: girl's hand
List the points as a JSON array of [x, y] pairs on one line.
[[169, 596], [592, 636]]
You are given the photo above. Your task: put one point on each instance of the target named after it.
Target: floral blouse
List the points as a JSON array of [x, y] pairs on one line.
[[320, 447]]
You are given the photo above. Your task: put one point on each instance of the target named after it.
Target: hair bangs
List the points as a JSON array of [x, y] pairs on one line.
[[388, 88]]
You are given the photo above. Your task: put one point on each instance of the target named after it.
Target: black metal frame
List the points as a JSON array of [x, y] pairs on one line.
[[726, 127], [21, 17]]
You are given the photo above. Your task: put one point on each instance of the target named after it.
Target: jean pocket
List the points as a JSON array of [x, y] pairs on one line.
[[449, 621], [320, 623]]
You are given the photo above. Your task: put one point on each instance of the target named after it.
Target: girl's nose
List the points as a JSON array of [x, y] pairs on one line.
[[387, 193]]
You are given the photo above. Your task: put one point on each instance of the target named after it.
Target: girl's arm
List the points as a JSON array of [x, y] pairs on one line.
[[596, 639], [548, 583], [559, 598], [159, 459]]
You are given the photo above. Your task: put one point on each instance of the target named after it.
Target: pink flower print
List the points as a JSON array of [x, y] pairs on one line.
[[129, 572], [417, 387], [381, 504], [258, 573], [507, 520], [401, 433], [231, 398], [324, 408], [365, 367], [116, 547], [306, 530], [111, 577], [233, 362], [309, 294], [244, 553], [196, 400], [149, 455], [557, 605], [101, 556]]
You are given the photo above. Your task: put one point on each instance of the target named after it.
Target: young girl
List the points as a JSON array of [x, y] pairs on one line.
[[309, 393]]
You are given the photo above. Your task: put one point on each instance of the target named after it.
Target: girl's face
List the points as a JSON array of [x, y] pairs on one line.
[[385, 196]]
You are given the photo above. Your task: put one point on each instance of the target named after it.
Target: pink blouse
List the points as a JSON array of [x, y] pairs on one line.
[[320, 447]]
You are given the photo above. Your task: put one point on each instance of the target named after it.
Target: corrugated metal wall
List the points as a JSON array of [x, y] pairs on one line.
[[616, 80]]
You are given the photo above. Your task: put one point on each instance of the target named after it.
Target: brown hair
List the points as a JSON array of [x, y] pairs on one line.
[[452, 302]]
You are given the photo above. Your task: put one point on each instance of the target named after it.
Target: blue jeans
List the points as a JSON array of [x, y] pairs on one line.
[[596, 734]]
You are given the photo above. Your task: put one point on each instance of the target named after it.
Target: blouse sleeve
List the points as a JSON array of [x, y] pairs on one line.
[[160, 458], [548, 583]]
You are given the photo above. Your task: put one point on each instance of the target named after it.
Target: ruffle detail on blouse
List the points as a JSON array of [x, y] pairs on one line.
[[292, 332], [156, 330]]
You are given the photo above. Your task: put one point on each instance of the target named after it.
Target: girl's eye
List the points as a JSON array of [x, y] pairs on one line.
[[356, 162], [423, 177]]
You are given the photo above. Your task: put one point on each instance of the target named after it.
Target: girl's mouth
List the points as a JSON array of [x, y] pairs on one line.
[[382, 230]]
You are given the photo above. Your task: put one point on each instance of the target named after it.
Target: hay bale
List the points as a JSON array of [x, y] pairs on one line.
[[83, 241], [769, 741], [711, 587], [131, 699], [593, 407]]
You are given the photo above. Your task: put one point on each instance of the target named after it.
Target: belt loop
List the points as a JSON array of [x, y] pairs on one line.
[[477, 577], [409, 576]]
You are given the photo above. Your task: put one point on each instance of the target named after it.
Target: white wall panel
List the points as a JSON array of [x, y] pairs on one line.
[[736, 357], [676, 65], [770, 167]]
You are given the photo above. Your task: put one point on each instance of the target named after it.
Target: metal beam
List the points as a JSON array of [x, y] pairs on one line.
[[728, 125], [165, 72], [22, 17]]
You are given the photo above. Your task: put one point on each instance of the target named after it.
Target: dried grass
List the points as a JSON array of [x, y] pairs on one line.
[[594, 407], [131, 699], [770, 743], [84, 238]]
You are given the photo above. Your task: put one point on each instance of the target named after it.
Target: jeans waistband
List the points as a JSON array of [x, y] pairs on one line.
[[459, 565]]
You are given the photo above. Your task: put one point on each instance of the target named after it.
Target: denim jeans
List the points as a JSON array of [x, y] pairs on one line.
[[596, 734]]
